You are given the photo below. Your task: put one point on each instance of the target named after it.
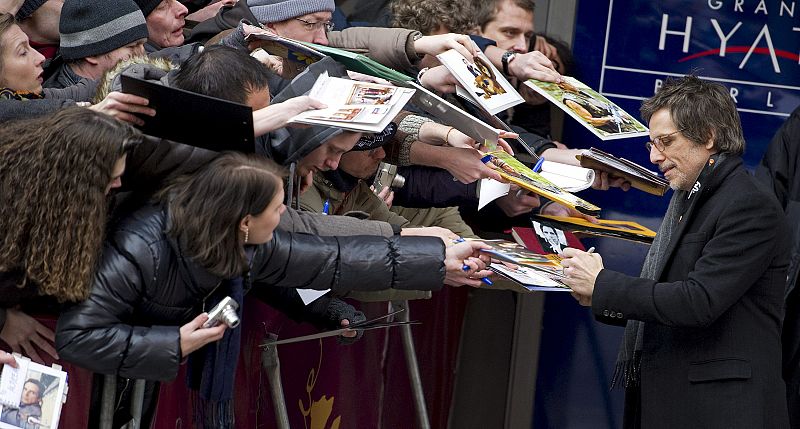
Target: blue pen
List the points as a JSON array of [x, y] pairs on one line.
[[326, 207], [538, 167], [466, 267]]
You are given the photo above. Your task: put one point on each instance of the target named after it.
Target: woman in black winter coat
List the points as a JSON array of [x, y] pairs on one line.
[[213, 236]]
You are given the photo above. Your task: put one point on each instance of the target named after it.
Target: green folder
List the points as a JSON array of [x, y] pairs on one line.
[[361, 63]]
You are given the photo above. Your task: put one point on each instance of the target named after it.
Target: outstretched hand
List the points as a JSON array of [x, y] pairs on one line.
[[124, 107], [22, 332]]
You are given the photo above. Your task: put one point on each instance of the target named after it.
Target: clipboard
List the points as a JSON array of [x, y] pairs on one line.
[[194, 119]]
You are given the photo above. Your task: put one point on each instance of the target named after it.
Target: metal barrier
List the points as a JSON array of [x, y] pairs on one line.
[[109, 403]]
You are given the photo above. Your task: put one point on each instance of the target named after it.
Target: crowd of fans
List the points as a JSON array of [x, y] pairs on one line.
[[129, 238]]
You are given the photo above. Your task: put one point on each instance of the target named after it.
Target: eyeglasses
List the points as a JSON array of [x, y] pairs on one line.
[[313, 26], [659, 142]]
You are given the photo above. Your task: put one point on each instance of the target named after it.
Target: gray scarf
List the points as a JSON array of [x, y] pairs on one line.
[[630, 352]]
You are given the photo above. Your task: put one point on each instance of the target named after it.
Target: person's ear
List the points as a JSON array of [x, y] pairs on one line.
[[710, 143], [91, 60], [244, 224]]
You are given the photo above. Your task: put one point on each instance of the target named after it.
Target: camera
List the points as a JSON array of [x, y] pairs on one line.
[[223, 312], [387, 176]]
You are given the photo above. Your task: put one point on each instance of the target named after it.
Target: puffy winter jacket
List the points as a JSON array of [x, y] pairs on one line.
[[145, 288]]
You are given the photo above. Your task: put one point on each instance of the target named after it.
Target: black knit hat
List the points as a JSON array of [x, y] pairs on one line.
[[376, 140], [28, 8], [92, 27], [147, 6]]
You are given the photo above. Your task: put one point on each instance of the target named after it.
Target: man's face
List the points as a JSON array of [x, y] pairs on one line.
[[682, 160], [108, 60], [327, 156], [165, 24], [550, 235], [30, 394], [306, 28], [511, 28], [363, 163]]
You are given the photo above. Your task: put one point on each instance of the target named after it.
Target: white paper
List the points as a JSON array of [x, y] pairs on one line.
[[310, 295], [568, 177], [490, 190]]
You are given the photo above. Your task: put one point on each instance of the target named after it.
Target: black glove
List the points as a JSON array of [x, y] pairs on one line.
[[339, 310]]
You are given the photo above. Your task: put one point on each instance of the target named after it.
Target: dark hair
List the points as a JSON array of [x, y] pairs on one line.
[[222, 72], [6, 21], [54, 172], [702, 110], [426, 16], [564, 53], [205, 208], [487, 9], [38, 384]]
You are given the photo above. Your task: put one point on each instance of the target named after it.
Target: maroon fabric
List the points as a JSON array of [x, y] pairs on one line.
[[328, 385]]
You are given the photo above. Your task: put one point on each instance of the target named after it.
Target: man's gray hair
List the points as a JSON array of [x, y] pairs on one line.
[[701, 110]]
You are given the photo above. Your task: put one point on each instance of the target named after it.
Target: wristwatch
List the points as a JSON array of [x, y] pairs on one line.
[[507, 58]]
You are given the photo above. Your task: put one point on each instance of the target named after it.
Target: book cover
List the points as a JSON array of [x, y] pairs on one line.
[[591, 109], [639, 177], [517, 173], [354, 105], [31, 396], [484, 84], [545, 240], [626, 230]]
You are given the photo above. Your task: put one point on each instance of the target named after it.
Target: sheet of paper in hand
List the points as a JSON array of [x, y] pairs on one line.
[[31, 395], [484, 84], [354, 105]]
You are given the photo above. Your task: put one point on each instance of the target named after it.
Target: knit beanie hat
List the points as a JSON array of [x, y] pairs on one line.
[[268, 11], [28, 8], [92, 27], [147, 6]]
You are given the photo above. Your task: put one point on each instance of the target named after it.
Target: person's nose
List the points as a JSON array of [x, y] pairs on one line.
[[520, 44], [39, 58], [332, 163], [320, 36], [656, 157], [180, 10], [379, 153]]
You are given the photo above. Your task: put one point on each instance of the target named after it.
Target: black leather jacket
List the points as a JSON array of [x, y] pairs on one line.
[[144, 288]]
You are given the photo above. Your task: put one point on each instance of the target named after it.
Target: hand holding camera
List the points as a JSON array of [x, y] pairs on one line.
[[208, 327]]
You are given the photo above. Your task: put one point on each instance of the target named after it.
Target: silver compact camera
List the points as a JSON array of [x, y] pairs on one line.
[[223, 312], [387, 176]]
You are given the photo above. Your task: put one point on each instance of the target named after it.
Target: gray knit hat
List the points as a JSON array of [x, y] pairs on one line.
[[268, 11], [28, 8], [93, 27]]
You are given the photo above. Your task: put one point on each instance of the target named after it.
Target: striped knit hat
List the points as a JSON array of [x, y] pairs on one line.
[[268, 11], [28, 8], [94, 27]]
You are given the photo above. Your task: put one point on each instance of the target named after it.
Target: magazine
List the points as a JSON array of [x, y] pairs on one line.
[[531, 278], [517, 173], [353, 105], [598, 114], [31, 395], [484, 84], [298, 55], [640, 177], [626, 230], [515, 253]]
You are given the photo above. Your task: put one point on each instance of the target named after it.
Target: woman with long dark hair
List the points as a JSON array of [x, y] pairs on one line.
[[55, 175]]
